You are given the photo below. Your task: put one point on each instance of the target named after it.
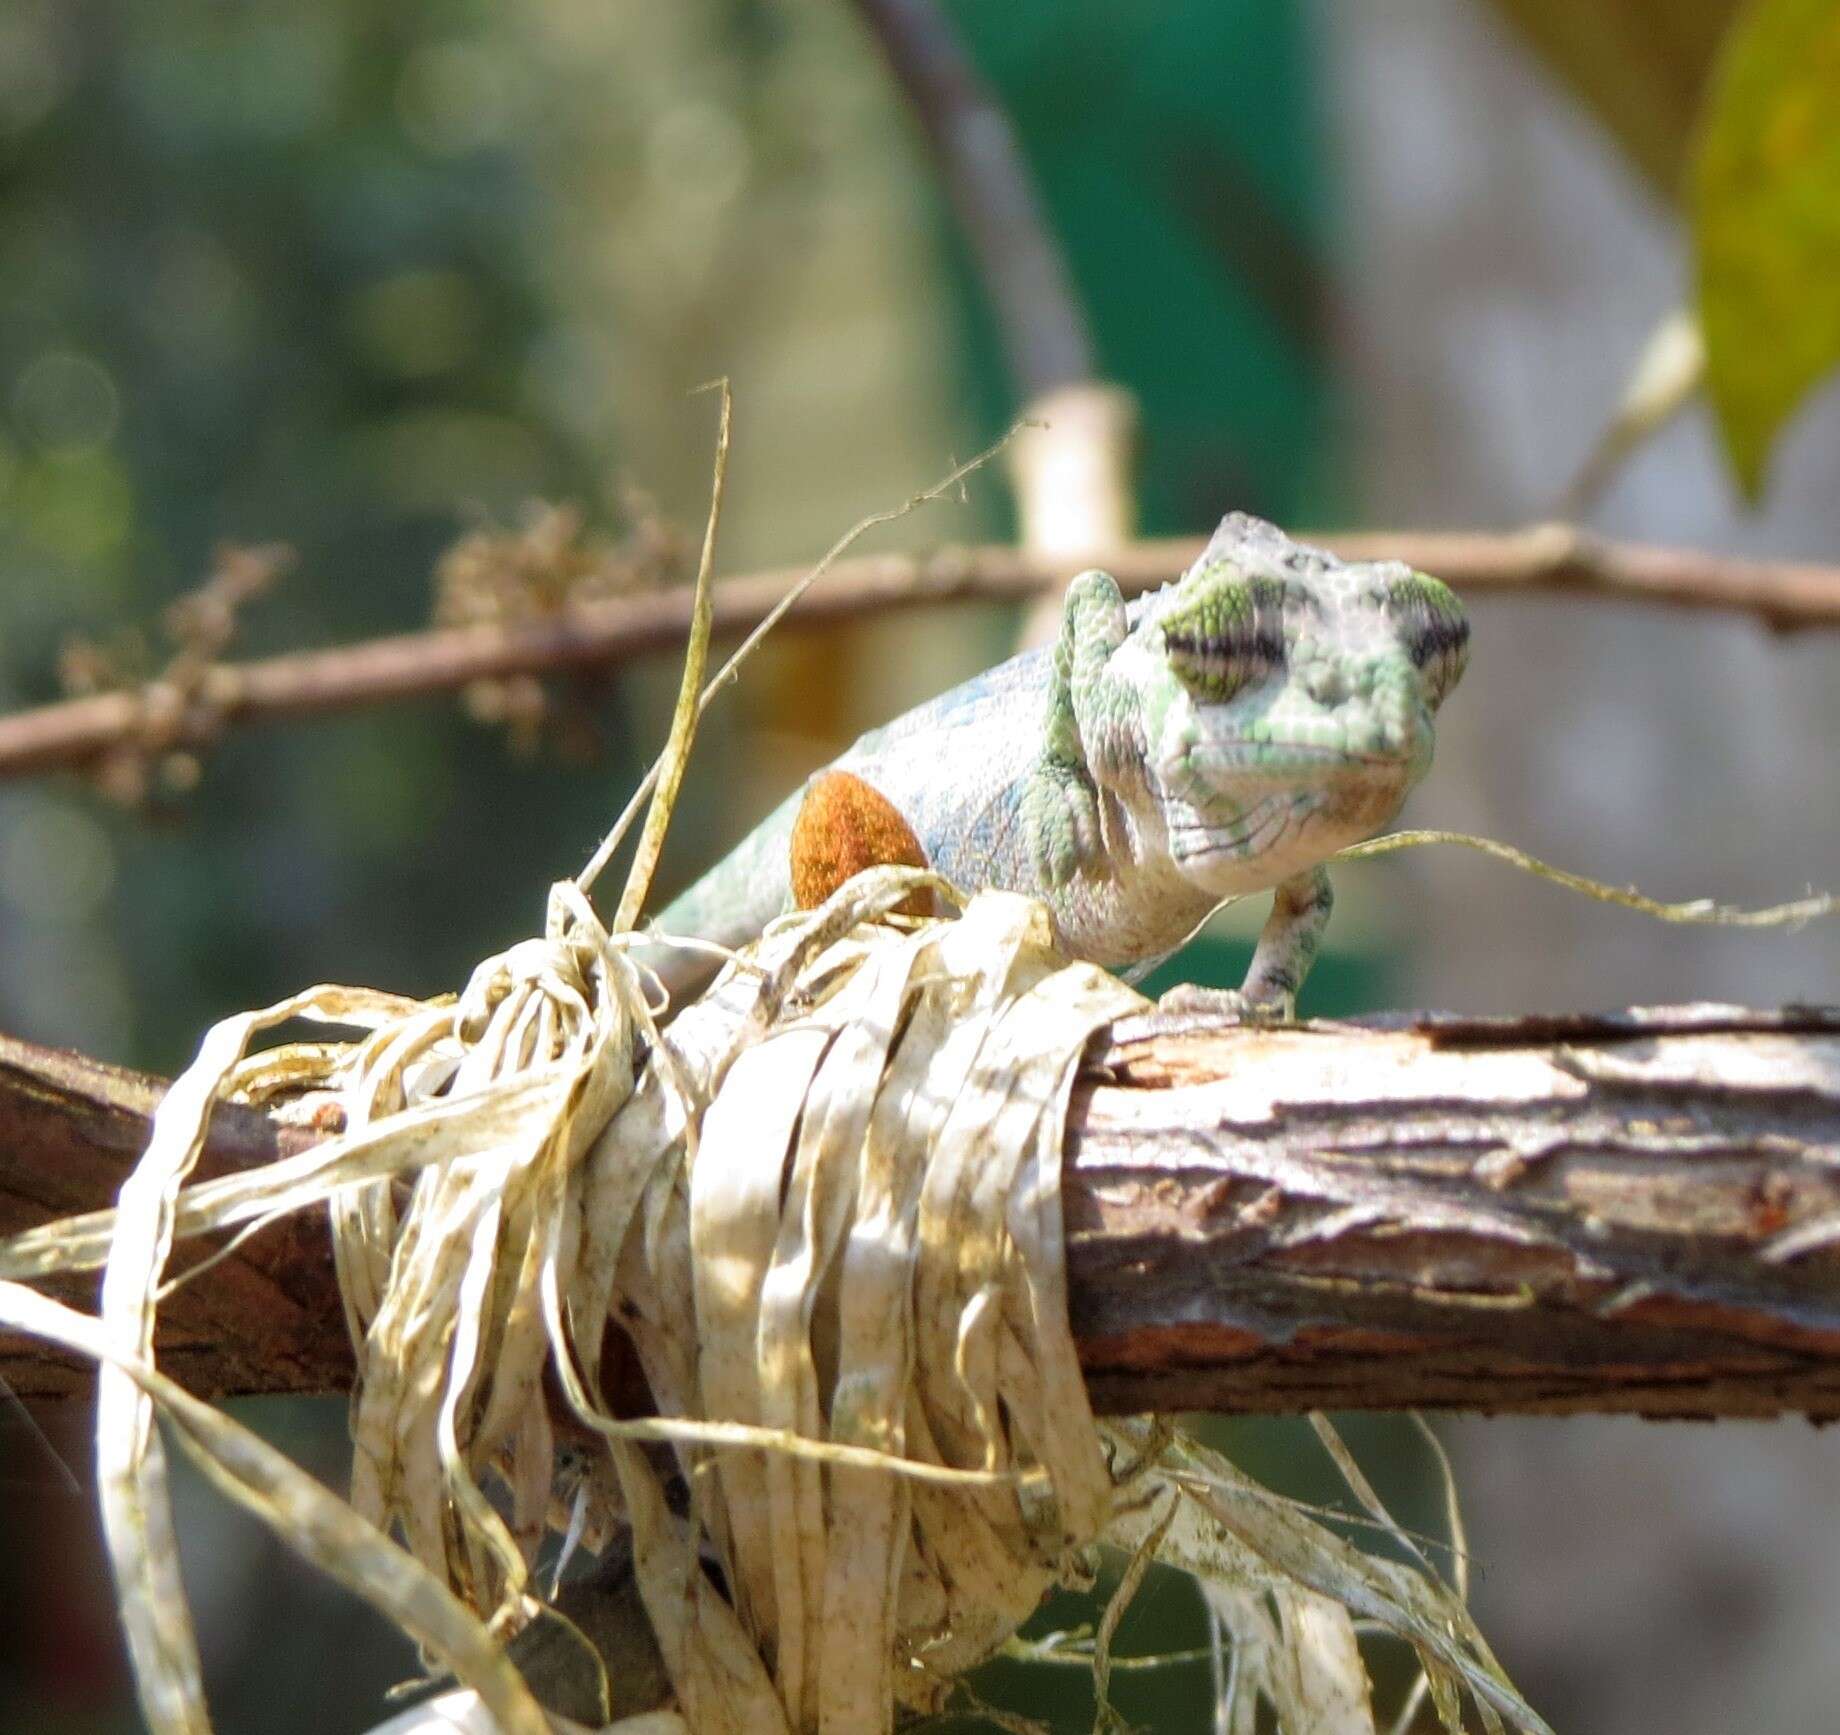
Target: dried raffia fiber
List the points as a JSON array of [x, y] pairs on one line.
[[827, 1213], [825, 1207], [895, 1300], [525, 1229]]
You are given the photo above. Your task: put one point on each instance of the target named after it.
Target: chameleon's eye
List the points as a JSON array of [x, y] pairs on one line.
[[1434, 630], [1226, 636]]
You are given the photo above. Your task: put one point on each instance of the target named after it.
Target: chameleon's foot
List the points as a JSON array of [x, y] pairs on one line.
[[1060, 817], [1188, 1005]]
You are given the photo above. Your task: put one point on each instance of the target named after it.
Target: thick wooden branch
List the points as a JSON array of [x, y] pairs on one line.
[[78, 733], [1636, 1213], [267, 1320]]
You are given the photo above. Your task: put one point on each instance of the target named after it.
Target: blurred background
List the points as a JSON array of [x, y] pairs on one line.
[[375, 283]]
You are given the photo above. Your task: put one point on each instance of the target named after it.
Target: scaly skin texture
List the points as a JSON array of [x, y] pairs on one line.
[[1222, 736]]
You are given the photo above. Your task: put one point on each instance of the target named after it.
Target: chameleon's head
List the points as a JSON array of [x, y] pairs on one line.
[[1302, 705]]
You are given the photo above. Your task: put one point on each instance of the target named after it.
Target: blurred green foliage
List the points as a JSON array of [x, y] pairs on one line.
[[250, 288], [1179, 155], [1730, 108], [1766, 222]]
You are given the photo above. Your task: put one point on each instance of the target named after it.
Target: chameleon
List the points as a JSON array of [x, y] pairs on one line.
[[1221, 736]]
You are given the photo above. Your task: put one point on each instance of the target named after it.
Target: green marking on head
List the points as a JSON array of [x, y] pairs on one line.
[[1225, 630], [1433, 628]]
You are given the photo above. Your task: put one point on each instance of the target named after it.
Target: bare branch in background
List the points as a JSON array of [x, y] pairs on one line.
[[1638, 1212], [199, 628], [1017, 258], [80, 734]]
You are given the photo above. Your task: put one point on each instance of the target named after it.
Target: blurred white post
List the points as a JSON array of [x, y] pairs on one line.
[[1075, 477]]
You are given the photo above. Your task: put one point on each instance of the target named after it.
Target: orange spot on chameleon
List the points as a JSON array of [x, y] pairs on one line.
[[846, 825]]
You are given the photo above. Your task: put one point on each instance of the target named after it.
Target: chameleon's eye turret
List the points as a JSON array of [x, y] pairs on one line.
[[1226, 636], [1435, 631]]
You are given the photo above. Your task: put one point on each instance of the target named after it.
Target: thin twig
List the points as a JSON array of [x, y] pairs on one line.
[[1785, 595]]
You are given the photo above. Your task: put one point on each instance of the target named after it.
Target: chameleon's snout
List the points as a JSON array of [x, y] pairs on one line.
[[1336, 719], [1328, 684]]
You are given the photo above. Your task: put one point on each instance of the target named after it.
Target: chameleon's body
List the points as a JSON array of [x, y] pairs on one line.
[[1222, 736]]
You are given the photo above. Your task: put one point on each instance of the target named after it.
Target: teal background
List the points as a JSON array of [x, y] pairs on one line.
[[1175, 148]]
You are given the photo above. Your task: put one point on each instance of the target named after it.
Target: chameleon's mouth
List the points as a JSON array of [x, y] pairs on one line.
[[1291, 760], [1315, 819], [1256, 831]]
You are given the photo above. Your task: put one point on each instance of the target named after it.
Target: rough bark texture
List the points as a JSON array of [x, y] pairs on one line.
[[266, 1320], [1627, 1213], [1638, 1212]]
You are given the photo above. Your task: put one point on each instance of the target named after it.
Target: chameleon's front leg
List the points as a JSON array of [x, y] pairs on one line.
[[1060, 798], [1289, 942], [1287, 947]]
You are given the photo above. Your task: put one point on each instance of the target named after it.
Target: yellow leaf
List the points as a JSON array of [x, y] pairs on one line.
[[1640, 66], [1766, 222]]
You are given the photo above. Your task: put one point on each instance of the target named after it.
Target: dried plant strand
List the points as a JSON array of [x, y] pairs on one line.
[[947, 486], [676, 754], [1698, 912], [130, 1460]]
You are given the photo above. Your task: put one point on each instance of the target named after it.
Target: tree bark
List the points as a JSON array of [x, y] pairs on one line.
[[1638, 1212], [267, 1319]]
